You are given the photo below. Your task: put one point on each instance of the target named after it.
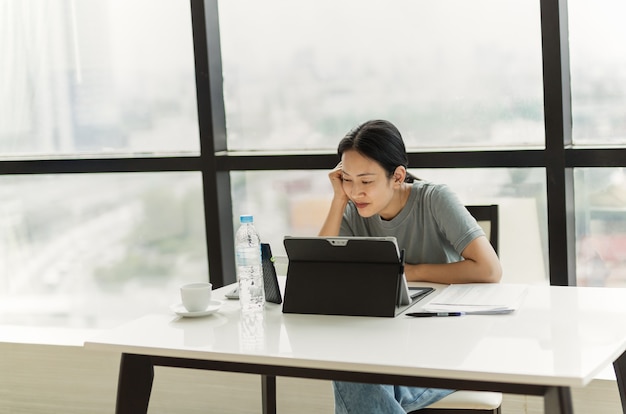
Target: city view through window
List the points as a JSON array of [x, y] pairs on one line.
[[106, 79]]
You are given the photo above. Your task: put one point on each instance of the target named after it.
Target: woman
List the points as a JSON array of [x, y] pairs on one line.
[[374, 195]]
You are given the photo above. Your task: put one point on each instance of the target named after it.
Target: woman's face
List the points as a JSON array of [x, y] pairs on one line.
[[366, 183]]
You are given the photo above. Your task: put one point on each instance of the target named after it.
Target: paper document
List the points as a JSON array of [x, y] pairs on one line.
[[478, 298]]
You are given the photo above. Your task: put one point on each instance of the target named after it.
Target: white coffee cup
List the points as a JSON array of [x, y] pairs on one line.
[[196, 296]]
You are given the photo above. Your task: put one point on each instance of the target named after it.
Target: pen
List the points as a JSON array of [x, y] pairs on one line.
[[432, 314]]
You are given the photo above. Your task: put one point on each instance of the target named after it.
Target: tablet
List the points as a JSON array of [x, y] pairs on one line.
[[345, 275]]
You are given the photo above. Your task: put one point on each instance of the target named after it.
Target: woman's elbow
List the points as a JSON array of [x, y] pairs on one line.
[[490, 270], [494, 274]]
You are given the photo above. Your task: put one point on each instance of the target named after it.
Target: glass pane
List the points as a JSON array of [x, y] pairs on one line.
[[295, 203], [601, 226], [597, 38], [448, 73], [96, 77], [94, 250]]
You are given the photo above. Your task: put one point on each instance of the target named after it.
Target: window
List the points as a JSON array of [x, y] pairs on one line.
[[111, 79], [102, 77], [601, 226], [91, 250], [449, 74], [296, 202], [97, 79], [597, 36]]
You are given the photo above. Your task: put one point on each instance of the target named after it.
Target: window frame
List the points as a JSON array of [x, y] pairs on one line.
[[215, 162]]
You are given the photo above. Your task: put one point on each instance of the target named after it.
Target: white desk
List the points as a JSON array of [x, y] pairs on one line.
[[561, 337]]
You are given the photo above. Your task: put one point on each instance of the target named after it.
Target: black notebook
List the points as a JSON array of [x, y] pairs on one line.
[[270, 280], [358, 276]]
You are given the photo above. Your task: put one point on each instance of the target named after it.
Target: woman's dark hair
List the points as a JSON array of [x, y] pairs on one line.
[[379, 140]]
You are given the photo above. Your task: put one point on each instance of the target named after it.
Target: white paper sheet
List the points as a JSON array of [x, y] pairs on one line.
[[483, 298]]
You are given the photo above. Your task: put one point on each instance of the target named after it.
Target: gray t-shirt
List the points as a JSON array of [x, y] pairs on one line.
[[433, 227]]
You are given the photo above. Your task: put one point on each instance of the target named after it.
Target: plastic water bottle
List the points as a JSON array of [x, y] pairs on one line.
[[249, 268]]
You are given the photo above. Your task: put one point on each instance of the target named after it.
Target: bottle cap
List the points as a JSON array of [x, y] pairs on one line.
[[246, 218]]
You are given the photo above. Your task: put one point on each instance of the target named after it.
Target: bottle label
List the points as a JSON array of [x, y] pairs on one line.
[[249, 256]]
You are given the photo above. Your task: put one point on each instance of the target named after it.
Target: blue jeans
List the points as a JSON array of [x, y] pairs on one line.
[[352, 398]]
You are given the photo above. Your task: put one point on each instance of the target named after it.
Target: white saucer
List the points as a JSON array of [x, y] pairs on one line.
[[180, 310]]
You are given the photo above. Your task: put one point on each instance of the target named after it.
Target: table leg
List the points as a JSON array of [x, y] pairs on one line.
[[268, 390], [558, 400], [134, 384], [620, 373]]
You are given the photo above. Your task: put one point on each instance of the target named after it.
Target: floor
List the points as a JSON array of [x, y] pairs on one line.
[[38, 379]]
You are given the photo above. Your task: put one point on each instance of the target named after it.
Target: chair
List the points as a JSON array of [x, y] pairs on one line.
[[466, 402], [487, 218], [473, 402]]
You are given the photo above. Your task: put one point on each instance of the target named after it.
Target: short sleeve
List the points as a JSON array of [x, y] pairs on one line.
[[453, 220]]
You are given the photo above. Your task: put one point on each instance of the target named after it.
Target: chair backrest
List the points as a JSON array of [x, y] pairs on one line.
[[487, 218]]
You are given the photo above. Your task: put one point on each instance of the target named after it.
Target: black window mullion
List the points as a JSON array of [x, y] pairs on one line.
[[99, 165], [212, 126], [526, 158], [558, 128], [596, 157]]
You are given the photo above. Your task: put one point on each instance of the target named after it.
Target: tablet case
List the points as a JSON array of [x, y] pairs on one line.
[[354, 276], [270, 280]]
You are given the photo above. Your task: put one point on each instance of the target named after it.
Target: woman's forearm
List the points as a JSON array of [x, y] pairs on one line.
[[332, 224], [465, 271], [481, 264]]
